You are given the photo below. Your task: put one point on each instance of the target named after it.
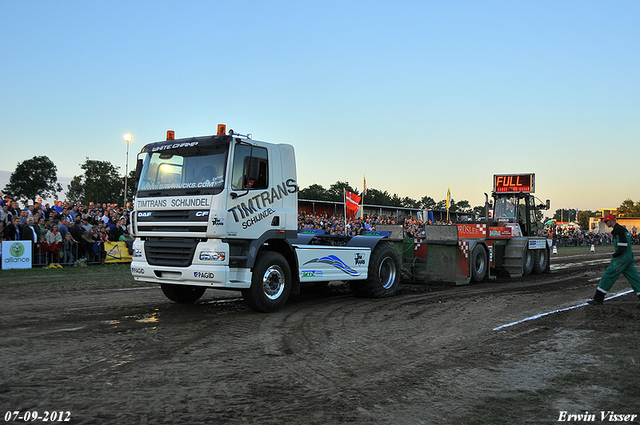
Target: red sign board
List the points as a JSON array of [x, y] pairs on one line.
[[472, 231], [514, 183]]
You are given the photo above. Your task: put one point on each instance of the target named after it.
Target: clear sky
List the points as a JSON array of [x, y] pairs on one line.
[[419, 95]]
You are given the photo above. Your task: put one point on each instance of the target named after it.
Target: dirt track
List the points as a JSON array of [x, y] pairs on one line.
[[429, 355]]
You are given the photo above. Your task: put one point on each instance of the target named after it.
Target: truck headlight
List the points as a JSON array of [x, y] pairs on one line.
[[137, 252], [212, 256]]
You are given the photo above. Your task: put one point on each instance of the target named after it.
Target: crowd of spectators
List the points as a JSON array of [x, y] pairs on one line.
[[577, 237], [65, 233], [335, 225]]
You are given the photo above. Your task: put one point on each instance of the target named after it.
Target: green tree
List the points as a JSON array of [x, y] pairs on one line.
[[396, 201], [427, 203], [409, 203], [132, 186], [377, 197], [99, 183], [583, 220], [314, 192], [442, 205], [336, 191], [629, 209], [33, 178], [75, 189], [480, 210], [463, 206]]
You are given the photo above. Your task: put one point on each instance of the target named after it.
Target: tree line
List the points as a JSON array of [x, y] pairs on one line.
[[335, 193], [101, 182]]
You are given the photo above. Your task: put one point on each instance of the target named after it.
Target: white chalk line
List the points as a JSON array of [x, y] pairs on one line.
[[537, 316]]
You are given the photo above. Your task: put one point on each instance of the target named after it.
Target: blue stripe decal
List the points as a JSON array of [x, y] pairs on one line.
[[335, 262]]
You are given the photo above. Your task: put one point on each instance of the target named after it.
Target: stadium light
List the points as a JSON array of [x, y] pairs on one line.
[[127, 138]]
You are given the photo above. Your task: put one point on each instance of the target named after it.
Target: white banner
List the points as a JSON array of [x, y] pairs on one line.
[[16, 254]]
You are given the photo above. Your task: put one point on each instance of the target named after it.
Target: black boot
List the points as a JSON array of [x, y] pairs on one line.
[[598, 298]]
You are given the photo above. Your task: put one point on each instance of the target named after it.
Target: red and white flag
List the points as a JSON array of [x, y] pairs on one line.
[[352, 202]]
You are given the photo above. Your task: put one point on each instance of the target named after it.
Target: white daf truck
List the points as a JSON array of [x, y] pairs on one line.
[[222, 212]]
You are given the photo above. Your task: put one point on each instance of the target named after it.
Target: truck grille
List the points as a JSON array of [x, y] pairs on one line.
[[191, 221], [173, 229], [170, 215], [170, 251]]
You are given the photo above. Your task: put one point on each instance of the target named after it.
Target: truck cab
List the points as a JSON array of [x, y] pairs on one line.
[[221, 212], [515, 204]]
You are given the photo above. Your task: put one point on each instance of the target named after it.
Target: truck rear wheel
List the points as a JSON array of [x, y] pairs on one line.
[[478, 263], [270, 283], [183, 294], [540, 261], [383, 274]]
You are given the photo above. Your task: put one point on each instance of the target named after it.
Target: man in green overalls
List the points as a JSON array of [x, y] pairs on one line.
[[621, 262]]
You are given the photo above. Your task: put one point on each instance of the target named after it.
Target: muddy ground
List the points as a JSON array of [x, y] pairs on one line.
[[430, 355]]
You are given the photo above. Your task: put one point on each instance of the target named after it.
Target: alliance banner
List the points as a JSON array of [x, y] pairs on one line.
[[16, 254]]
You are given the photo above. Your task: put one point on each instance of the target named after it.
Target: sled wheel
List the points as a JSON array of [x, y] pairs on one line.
[[478, 263]]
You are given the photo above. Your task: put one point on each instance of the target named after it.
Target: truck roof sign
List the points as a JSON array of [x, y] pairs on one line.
[[514, 183]]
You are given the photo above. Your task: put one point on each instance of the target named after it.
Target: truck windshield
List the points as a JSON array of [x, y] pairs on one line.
[[190, 170], [506, 208]]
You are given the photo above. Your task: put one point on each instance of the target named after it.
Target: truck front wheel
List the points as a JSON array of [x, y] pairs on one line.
[[183, 294], [270, 283], [383, 274]]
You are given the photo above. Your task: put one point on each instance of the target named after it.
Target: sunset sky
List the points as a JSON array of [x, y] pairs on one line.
[[419, 95]]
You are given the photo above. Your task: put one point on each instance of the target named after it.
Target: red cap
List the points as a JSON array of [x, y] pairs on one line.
[[608, 217]]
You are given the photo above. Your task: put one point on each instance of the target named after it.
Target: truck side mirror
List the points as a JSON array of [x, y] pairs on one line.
[[138, 168]]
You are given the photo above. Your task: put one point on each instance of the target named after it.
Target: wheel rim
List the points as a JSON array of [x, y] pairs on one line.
[[387, 272], [273, 282]]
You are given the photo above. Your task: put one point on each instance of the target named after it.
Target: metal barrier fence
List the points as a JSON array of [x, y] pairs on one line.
[[44, 255], [26, 254]]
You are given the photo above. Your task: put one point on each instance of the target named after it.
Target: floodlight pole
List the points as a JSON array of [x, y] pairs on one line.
[[128, 138]]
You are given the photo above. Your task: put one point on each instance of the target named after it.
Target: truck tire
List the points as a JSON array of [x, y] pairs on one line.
[[183, 294], [383, 275], [527, 261], [540, 261], [270, 283], [478, 263]]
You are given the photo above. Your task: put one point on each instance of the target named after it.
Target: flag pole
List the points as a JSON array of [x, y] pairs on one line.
[[344, 193], [364, 192], [448, 202]]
